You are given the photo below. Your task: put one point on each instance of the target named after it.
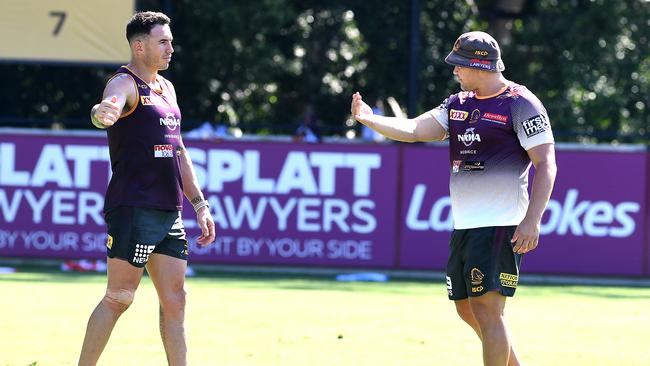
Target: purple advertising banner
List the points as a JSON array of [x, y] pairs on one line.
[[278, 203], [426, 221], [52, 196], [273, 203], [327, 205], [595, 222]]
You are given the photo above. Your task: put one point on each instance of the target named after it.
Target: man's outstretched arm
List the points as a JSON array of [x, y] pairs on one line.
[[420, 129]]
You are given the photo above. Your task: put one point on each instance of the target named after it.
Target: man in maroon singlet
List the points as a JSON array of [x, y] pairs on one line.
[[496, 128], [152, 171]]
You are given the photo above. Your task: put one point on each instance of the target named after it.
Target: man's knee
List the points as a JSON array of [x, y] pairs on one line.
[[464, 310], [488, 308], [119, 299], [173, 301]]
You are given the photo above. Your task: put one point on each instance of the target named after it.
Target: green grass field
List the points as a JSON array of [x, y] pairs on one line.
[[269, 320]]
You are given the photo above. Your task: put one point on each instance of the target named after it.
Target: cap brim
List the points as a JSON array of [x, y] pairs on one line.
[[457, 60]]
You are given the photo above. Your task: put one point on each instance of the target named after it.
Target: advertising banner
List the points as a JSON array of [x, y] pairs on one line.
[[274, 203], [425, 216], [52, 196], [594, 223], [292, 204], [327, 205], [596, 219]]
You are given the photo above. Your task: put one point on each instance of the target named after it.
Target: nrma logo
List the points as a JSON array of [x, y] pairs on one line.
[[170, 121], [469, 137]]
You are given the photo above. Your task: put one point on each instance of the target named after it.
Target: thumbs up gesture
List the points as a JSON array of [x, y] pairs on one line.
[[106, 113]]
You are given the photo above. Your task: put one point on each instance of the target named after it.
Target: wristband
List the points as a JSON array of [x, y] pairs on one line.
[[199, 205]]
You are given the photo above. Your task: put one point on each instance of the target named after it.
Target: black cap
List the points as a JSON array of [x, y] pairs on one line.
[[477, 50]]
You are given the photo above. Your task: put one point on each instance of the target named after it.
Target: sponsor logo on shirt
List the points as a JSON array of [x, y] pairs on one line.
[[469, 137], [109, 242], [535, 125], [149, 100], [449, 286], [471, 166], [456, 115], [163, 151], [496, 118], [455, 166], [170, 121]]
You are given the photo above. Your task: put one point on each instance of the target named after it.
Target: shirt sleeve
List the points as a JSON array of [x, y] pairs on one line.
[[441, 115], [531, 123]]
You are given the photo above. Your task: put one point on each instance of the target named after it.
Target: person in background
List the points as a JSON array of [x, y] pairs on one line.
[[308, 130], [208, 131]]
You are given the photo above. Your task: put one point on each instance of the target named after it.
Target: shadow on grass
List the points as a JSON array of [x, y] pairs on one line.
[[588, 291], [34, 274], [318, 282]]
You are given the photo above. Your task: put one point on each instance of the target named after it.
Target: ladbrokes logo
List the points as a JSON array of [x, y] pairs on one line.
[[170, 121], [568, 215], [469, 137], [589, 218]]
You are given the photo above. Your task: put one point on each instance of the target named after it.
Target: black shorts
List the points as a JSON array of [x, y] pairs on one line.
[[134, 233], [482, 260]]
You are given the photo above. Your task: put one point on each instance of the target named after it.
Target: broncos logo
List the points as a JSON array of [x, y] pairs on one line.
[[476, 276]]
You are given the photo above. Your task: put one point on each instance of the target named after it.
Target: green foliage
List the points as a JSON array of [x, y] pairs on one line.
[[263, 62], [588, 62], [259, 64]]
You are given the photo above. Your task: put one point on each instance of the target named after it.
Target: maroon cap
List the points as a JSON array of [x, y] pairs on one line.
[[477, 50]]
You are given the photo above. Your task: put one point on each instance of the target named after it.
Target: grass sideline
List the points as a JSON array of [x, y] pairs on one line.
[[273, 319]]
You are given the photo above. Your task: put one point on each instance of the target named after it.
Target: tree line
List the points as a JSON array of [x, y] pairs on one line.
[[259, 65]]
